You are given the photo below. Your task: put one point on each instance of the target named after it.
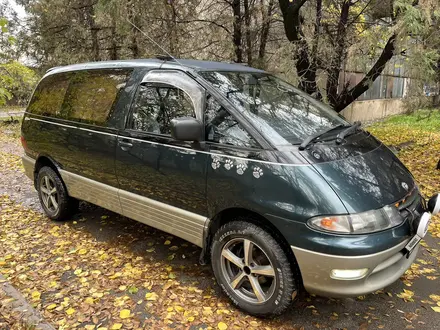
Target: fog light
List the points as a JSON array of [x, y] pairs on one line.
[[348, 274]]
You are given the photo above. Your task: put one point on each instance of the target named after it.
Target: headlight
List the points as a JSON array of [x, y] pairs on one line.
[[359, 223]]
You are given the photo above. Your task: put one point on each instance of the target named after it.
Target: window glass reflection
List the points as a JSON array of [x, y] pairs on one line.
[[223, 128], [156, 105], [281, 112], [91, 95]]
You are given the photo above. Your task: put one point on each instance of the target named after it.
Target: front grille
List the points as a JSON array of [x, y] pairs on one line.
[[411, 209]]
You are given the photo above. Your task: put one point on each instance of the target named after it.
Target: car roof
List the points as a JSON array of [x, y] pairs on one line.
[[156, 63]]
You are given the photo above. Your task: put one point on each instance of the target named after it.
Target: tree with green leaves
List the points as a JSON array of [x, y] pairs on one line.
[[325, 34], [6, 40]]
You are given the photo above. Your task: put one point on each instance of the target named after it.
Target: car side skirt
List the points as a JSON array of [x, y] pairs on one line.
[[170, 219]]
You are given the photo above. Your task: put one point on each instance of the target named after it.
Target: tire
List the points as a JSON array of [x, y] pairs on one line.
[[58, 206], [276, 288]]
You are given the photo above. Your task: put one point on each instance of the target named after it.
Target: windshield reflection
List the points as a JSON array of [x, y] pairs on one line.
[[281, 112]]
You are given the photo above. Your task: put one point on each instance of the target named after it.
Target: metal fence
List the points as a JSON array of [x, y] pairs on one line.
[[384, 87]]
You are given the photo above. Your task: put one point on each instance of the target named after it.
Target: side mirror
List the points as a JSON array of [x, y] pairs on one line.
[[186, 129]]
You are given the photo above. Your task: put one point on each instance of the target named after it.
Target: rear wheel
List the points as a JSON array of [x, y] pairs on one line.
[[53, 196], [252, 269]]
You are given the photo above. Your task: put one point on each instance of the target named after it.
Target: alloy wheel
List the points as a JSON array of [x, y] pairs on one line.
[[248, 270], [49, 193]]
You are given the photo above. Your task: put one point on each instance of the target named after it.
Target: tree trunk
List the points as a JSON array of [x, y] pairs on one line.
[[305, 68], [90, 18], [114, 44], [172, 35], [346, 97], [133, 31], [336, 60], [247, 22], [316, 35], [237, 35], [265, 31]]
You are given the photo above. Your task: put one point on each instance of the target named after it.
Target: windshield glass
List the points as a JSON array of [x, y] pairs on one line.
[[284, 114]]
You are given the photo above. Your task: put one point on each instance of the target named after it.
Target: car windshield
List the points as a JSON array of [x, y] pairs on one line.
[[283, 113]]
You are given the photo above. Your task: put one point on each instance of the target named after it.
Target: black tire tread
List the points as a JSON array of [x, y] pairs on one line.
[[67, 205], [241, 224]]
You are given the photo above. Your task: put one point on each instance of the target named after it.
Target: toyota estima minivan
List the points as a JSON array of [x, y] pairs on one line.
[[278, 190]]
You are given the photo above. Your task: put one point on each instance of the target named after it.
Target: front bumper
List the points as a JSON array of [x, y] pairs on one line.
[[384, 268]]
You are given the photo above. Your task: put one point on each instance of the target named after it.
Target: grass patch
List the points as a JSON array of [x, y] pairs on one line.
[[425, 120]]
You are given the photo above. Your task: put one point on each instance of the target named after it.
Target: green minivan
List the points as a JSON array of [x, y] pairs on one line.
[[278, 190]]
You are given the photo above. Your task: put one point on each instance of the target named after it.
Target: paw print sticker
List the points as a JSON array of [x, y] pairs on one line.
[[215, 163], [229, 164], [258, 172], [241, 167]]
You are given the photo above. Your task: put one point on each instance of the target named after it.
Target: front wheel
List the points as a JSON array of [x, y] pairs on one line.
[[252, 269]]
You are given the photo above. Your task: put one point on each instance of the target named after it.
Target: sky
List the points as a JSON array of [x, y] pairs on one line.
[[19, 9]]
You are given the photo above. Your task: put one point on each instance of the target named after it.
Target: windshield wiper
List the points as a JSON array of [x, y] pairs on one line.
[[353, 128], [313, 137]]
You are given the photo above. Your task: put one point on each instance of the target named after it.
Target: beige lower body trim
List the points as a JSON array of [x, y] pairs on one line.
[[92, 191], [29, 166], [170, 219]]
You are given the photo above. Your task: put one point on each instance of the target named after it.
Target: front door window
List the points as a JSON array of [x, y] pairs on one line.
[[156, 105]]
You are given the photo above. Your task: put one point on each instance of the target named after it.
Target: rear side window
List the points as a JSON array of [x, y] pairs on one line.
[[49, 95], [92, 95]]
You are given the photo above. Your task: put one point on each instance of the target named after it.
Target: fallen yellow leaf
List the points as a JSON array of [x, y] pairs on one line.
[[124, 314], [36, 295], [70, 311], [434, 297], [151, 296], [179, 309], [116, 326], [89, 300], [436, 309], [222, 326], [51, 306]]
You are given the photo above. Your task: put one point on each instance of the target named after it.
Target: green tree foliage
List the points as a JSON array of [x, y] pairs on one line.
[[18, 81], [5, 41]]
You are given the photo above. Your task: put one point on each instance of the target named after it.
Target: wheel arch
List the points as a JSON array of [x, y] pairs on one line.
[[44, 160]]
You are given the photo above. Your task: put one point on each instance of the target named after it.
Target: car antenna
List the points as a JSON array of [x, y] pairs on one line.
[[164, 58]]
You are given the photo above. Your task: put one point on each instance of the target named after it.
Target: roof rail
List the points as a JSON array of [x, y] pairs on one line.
[[165, 57], [55, 67]]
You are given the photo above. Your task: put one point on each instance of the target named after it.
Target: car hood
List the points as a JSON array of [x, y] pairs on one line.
[[364, 173]]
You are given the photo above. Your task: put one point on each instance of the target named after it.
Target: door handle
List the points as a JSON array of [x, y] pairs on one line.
[[125, 145]]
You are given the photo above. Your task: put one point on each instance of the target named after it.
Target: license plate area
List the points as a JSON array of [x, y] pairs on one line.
[[412, 244], [422, 229]]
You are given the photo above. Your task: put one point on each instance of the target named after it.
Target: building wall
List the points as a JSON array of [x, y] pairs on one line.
[[370, 110]]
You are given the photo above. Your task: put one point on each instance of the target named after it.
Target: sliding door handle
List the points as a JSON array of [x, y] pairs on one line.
[[125, 145]]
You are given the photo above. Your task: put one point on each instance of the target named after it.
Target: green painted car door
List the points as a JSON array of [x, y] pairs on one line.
[[154, 166]]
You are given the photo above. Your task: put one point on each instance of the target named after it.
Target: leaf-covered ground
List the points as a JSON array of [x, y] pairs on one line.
[[104, 271]]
